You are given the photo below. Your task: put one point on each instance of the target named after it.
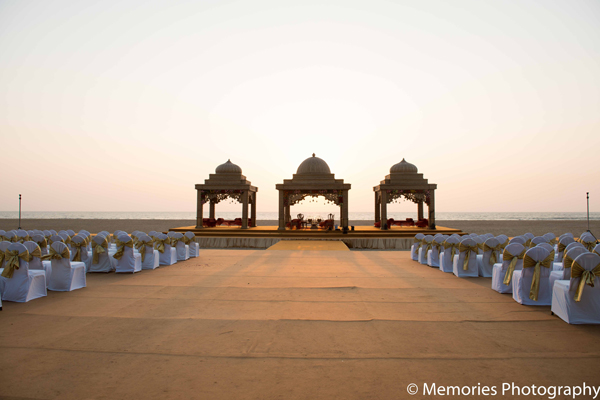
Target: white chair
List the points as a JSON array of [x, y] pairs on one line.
[[17, 282], [67, 275], [2, 232], [425, 247], [127, 260], [80, 248], [472, 235], [518, 239], [528, 237], [10, 236], [40, 240], [150, 257], [190, 240], [449, 249], [550, 237], [512, 260], [530, 285], [414, 249], [555, 266], [572, 300], [35, 260], [183, 250], [563, 242], [596, 249], [22, 236], [537, 240], [3, 247], [589, 241], [433, 255], [572, 245], [491, 255], [101, 260], [564, 273], [168, 254], [464, 264]]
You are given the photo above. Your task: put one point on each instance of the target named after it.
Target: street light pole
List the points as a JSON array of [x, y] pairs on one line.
[[19, 211]]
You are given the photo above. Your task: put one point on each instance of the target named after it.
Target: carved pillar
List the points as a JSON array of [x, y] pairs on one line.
[[377, 208], [245, 209], [253, 211], [199, 217], [212, 209], [281, 212], [420, 211], [432, 210], [384, 200], [345, 209]]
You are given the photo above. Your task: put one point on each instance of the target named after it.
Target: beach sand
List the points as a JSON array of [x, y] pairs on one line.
[[252, 324], [509, 228]]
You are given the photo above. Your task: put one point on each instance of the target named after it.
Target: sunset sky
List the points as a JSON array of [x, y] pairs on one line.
[[125, 105]]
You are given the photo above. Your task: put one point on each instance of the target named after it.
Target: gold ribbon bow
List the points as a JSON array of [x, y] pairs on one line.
[[37, 252], [188, 240], [552, 241], [52, 254], [174, 241], [12, 261], [1, 257], [529, 262], [121, 248], [503, 245], [452, 246], [159, 244], [527, 243], [42, 243], [495, 250], [78, 246], [467, 249], [589, 245], [141, 246], [22, 239], [99, 249], [507, 256], [561, 247], [587, 278], [435, 245]]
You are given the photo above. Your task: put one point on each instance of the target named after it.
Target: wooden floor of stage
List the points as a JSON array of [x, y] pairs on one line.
[[273, 231]]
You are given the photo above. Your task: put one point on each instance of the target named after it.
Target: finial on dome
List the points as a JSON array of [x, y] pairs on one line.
[[313, 154]]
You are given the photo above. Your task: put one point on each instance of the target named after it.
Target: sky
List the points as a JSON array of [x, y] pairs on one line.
[[125, 105]]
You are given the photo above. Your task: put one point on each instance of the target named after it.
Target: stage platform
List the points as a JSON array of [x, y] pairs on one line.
[[262, 237]]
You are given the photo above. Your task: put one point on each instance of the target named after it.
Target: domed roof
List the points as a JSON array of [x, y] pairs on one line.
[[404, 167], [313, 166], [228, 168]]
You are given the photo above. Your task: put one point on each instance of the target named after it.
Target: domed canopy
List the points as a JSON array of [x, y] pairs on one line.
[[228, 168], [313, 166], [404, 167]]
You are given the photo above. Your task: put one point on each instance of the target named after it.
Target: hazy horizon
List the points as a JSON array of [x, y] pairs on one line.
[[126, 105]]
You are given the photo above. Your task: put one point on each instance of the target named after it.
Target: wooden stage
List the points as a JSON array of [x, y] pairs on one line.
[[263, 237]]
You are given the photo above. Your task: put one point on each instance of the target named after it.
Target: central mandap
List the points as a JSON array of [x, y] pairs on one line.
[[312, 179]]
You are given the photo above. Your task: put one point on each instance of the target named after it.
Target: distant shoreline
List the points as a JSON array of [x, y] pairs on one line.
[[496, 227]]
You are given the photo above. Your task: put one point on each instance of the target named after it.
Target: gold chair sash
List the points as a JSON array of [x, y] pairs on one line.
[[589, 245], [99, 249], [159, 244], [12, 261], [37, 252], [141, 246], [78, 246], [552, 241], [468, 250], [529, 262], [527, 243], [507, 256], [495, 251], [52, 254], [22, 239], [452, 246], [503, 245], [435, 245], [587, 278], [561, 247], [1, 257], [188, 240], [42, 243], [121, 248]]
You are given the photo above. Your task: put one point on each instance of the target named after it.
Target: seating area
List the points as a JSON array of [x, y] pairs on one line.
[[35, 261], [563, 272]]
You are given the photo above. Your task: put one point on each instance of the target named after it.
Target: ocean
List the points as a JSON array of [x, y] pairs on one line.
[[263, 216]]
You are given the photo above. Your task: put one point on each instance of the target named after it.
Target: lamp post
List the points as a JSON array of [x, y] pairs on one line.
[[588, 209], [19, 211]]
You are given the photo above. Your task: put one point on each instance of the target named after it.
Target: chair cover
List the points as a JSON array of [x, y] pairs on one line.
[[596, 249], [433, 255], [531, 284], [17, 282], [168, 254], [537, 240], [577, 301], [2, 233], [3, 247], [464, 264], [491, 255], [80, 250], [414, 249], [190, 240], [479, 241], [426, 245], [101, 260], [10, 236], [502, 273], [550, 237], [567, 234], [66, 275], [127, 260], [563, 242], [41, 241], [472, 235], [150, 257], [22, 236], [35, 260], [564, 273], [449, 249], [518, 239], [183, 250], [589, 241], [572, 245]]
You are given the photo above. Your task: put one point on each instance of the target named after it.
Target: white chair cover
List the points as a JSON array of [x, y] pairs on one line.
[[518, 239], [446, 254], [84, 256], [66, 275], [564, 273], [41, 241], [169, 255], [538, 240], [491, 255], [10, 236], [150, 258], [433, 255], [22, 236], [414, 249], [101, 260], [129, 262], [467, 253], [24, 285], [425, 247], [35, 262], [479, 240], [563, 242], [499, 274], [183, 250], [194, 246], [550, 237], [572, 245], [3, 247], [522, 280], [564, 294]]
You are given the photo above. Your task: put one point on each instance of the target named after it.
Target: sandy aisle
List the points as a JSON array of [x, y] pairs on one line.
[[510, 228]]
